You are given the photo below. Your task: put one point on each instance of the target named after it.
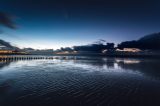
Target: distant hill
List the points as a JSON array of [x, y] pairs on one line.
[[151, 41], [7, 45], [4, 43]]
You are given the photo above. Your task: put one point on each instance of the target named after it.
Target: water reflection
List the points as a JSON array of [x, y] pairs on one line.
[[80, 81], [4, 64], [148, 67]]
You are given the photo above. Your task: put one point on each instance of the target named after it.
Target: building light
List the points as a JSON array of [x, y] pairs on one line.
[[129, 50]]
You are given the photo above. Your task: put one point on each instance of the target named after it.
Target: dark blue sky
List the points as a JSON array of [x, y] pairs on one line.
[[57, 23]]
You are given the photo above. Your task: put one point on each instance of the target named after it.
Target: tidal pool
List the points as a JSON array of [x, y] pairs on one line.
[[80, 81]]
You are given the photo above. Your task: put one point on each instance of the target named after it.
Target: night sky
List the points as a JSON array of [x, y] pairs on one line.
[[59, 23]]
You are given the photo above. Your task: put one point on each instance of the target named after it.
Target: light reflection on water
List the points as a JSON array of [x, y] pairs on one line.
[[102, 65], [80, 81]]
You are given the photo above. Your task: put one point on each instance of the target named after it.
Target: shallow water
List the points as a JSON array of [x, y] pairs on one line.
[[80, 81]]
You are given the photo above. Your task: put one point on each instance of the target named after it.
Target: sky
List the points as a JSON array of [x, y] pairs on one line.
[[44, 24]]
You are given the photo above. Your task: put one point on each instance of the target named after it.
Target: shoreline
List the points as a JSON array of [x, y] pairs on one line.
[[89, 55]]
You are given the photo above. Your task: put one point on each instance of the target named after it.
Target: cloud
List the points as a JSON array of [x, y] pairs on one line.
[[6, 20]]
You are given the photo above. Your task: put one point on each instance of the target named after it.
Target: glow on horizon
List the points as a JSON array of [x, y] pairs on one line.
[[42, 44], [38, 45], [50, 42]]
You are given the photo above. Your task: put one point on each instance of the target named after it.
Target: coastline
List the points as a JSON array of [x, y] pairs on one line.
[[90, 55]]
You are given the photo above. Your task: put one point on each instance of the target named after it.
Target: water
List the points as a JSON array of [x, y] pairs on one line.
[[80, 81]]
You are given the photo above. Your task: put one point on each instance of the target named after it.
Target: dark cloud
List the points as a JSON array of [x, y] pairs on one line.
[[6, 20], [151, 41]]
